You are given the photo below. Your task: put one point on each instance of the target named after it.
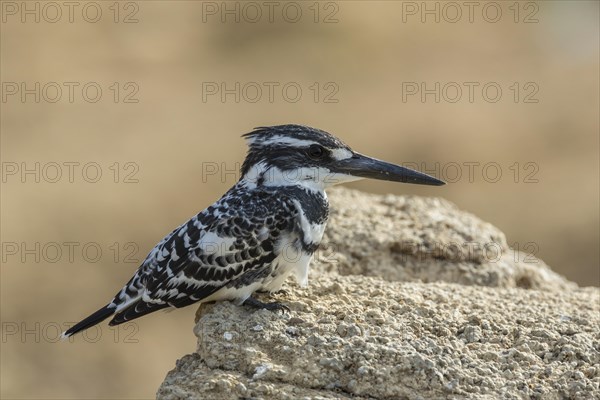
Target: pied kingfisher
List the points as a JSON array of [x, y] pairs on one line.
[[266, 227]]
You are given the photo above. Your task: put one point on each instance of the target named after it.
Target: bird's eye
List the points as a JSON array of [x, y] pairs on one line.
[[315, 151]]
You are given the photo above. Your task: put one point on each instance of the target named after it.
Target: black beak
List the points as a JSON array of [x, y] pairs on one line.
[[367, 167]]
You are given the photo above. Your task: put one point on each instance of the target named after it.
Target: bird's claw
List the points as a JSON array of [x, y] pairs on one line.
[[277, 307], [251, 301]]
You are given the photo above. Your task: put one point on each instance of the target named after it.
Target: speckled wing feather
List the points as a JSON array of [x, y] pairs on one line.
[[225, 245]]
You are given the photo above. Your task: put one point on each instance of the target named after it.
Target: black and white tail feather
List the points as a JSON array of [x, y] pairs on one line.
[[263, 229]]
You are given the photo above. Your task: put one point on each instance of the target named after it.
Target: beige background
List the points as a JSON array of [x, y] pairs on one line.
[[172, 136]]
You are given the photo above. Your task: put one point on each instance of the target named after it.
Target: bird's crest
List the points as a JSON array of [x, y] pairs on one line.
[[291, 135]]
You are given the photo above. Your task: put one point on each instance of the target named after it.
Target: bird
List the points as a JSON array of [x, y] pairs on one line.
[[262, 230]]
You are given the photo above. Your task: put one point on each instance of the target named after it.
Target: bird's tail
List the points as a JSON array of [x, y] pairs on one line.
[[90, 321]]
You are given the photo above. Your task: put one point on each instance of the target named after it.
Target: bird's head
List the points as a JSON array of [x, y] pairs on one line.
[[299, 155]]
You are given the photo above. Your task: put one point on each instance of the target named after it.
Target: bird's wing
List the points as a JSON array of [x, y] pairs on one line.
[[211, 250]]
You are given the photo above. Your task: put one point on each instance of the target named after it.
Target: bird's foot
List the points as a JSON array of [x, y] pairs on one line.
[[251, 301], [281, 292]]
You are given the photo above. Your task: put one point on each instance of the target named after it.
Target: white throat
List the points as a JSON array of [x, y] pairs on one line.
[[313, 178]]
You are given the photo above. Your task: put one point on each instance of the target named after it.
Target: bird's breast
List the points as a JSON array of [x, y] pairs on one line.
[[294, 260]]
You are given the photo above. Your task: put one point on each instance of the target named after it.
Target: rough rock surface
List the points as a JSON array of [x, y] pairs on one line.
[[425, 325], [409, 238]]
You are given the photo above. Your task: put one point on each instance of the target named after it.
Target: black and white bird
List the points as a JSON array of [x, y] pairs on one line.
[[265, 228]]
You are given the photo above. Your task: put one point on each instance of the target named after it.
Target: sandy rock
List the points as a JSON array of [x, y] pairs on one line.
[[409, 238], [193, 380], [361, 336], [387, 316]]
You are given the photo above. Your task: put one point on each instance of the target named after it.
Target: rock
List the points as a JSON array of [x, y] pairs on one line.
[[192, 379], [420, 325], [390, 340], [409, 238]]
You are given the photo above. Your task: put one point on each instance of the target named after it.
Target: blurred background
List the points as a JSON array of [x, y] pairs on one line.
[[120, 120]]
